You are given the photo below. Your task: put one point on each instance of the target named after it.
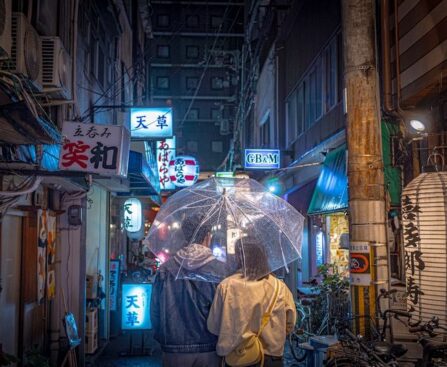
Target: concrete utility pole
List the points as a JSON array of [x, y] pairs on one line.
[[365, 162]]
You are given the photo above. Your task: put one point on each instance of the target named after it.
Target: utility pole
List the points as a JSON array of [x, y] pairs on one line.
[[365, 162]]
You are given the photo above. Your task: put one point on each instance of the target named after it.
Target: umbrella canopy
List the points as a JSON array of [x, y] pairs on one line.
[[219, 226]]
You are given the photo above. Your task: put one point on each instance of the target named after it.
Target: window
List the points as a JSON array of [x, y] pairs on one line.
[[217, 146], [264, 136], [216, 21], [191, 82], [330, 58], [192, 21], [192, 146], [216, 83], [193, 114], [291, 120], [215, 114], [300, 110], [163, 51], [192, 52], [163, 20], [162, 82]]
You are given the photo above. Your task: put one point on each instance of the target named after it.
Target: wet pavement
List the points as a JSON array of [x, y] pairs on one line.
[[117, 353]]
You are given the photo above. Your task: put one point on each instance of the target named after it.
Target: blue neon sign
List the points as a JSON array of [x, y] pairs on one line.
[[135, 307], [151, 123], [263, 159]]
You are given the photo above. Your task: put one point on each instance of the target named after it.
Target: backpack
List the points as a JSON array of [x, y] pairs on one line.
[[251, 351]]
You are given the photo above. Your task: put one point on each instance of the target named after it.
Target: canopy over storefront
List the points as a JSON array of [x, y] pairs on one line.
[[331, 191]]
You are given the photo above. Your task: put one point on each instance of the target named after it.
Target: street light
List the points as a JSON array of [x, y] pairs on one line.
[[417, 125]]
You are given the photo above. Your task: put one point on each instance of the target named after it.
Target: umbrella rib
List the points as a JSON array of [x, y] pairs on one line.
[[206, 218], [272, 221], [188, 207]]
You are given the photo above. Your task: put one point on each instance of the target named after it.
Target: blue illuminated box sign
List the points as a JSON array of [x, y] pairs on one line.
[[151, 123], [263, 159], [135, 307]]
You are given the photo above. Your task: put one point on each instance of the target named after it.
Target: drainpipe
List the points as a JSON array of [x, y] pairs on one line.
[[386, 57]]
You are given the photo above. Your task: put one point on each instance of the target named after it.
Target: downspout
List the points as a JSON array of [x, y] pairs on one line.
[[77, 111], [386, 57]]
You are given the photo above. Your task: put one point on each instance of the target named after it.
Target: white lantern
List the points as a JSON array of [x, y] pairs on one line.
[[183, 171], [424, 213], [133, 218]]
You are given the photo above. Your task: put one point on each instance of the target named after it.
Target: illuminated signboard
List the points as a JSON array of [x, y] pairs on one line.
[[133, 215], [114, 273], [95, 148], [183, 171], [263, 159], [165, 153], [135, 307], [151, 123]]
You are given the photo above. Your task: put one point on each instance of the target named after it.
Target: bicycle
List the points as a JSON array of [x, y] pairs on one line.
[[434, 352], [356, 351]]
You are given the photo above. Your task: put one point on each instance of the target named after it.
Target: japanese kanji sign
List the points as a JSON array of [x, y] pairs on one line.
[[151, 123], [135, 307], [133, 215], [114, 273], [360, 263], [165, 153], [94, 148]]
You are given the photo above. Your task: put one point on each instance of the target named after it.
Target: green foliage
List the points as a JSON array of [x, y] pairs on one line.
[[35, 359], [7, 359], [331, 279]]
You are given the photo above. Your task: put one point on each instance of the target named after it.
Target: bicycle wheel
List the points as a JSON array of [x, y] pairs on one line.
[[298, 353], [346, 362]]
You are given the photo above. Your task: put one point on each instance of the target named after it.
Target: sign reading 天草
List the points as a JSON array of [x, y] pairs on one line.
[[151, 123]]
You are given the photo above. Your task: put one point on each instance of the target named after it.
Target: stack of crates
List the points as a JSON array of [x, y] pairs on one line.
[[91, 330]]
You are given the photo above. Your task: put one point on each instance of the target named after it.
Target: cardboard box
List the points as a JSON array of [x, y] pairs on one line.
[[91, 321], [91, 286], [91, 343]]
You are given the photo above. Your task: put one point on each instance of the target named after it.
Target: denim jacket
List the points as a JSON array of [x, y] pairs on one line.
[[179, 311]]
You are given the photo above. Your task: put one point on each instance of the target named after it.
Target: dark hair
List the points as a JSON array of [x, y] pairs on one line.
[[189, 227], [252, 258]]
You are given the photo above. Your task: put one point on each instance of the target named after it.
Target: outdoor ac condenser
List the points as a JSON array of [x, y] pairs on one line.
[[25, 57], [56, 69], [5, 29]]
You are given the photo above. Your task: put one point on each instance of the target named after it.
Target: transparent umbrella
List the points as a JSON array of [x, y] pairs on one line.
[[201, 229]]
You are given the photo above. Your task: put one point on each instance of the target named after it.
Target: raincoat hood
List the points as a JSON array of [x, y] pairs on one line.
[[194, 256]]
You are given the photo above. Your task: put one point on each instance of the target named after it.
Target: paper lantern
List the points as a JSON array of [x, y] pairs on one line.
[[424, 214], [183, 171], [133, 218]]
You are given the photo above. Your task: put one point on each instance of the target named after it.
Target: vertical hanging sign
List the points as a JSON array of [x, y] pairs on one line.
[[165, 153], [114, 272], [135, 308]]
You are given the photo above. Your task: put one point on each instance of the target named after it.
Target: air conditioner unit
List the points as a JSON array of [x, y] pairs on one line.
[[56, 68], [25, 51], [5, 29]]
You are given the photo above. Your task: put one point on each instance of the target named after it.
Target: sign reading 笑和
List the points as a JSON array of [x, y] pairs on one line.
[[135, 307], [95, 148], [165, 153], [114, 272], [263, 159], [151, 123]]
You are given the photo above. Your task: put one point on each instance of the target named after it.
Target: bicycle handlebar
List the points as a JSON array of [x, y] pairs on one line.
[[398, 313]]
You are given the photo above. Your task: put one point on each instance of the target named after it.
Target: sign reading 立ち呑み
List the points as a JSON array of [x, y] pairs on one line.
[[263, 159], [95, 148], [151, 123]]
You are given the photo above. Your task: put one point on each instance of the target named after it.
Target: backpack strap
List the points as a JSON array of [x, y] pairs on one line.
[[266, 317]]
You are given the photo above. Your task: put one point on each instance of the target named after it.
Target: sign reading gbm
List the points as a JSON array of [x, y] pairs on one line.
[[262, 159]]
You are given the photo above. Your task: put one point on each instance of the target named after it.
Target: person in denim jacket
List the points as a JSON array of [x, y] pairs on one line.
[[181, 301]]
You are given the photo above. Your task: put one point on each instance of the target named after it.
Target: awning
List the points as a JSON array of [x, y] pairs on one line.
[[143, 182], [331, 192], [300, 197]]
